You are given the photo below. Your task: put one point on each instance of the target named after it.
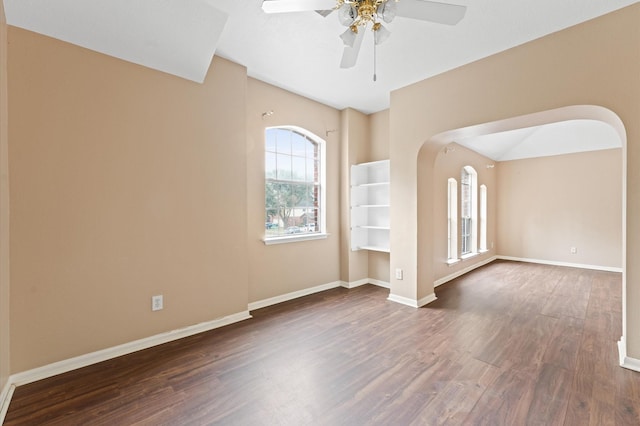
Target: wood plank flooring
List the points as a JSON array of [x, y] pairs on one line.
[[508, 344]]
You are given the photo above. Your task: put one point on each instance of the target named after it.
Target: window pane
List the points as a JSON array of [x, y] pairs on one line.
[[312, 220], [270, 165], [284, 167], [270, 140], [298, 195], [310, 167], [312, 150], [284, 141], [298, 144], [465, 177], [306, 199], [298, 173]]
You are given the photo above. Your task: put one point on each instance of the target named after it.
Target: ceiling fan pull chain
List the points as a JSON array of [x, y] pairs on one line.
[[374, 58]]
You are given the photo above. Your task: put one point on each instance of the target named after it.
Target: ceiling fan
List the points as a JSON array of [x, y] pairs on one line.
[[356, 15]]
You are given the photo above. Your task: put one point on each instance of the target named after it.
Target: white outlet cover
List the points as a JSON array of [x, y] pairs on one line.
[[156, 303]]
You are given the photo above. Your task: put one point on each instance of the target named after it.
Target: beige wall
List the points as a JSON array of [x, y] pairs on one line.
[[548, 205], [356, 136], [279, 269], [379, 150], [449, 165], [378, 146], [125, 183], [4, 207], [595, 63], [365, 138]]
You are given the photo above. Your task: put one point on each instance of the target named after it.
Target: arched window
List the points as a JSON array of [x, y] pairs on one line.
[[468, 211], [452, 217], [483, 218], [294, 183]]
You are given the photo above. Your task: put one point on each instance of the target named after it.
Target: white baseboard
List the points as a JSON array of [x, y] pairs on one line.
[[70, 364], [295, 294], [5, 399], [365, 281], [317, 289], [625, 361], [410, 302], [461, 272], [354, 284], [379, 283], [427, 299], [567, 264]]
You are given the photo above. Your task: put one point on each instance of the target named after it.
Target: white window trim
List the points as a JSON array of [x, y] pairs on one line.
[[452, 218], [474, 211], [469, 256], [294, 238], [483, 218], [322, 232]]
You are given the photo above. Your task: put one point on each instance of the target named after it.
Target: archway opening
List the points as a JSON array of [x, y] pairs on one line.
[[440, 145]]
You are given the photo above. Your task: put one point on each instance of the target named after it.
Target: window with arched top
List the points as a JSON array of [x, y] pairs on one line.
[[468, 211], [452, 219], [294, 184], [483, 218]]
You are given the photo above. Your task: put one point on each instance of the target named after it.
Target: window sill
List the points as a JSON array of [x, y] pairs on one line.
[[295, 238], [469, 256], [451, 262]]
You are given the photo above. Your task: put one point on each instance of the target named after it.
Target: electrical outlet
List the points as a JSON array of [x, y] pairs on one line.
[[574, 250], [398, 274], [156, 303]]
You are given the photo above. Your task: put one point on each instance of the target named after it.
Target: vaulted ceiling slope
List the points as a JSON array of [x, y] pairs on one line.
[[176, 37], [564, 137], [301, 51]]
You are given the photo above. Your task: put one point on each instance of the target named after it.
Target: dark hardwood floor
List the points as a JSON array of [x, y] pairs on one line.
[[508, 344]]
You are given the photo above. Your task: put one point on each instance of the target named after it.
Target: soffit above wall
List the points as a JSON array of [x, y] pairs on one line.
[[564, 137], [174, 36]]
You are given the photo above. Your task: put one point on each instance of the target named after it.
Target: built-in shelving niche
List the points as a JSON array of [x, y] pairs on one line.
[[370, 184]]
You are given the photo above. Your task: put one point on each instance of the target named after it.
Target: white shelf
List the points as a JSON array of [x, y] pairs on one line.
[[374, 248], [370, 184]]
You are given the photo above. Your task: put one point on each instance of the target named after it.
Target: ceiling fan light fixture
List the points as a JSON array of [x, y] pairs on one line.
[[347, 14], [367, 10], [380, 33], [349, 36], [387, 11]]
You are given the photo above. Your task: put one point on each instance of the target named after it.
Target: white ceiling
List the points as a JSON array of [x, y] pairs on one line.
[[174, 36], [542, 141], [301, 51]]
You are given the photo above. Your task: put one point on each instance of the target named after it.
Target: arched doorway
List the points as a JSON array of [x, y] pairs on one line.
[[425, 173]]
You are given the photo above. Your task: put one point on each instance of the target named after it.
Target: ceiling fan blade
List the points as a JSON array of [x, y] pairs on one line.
[[285, 6], [324, 13], [441, 13], [350, 55]]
